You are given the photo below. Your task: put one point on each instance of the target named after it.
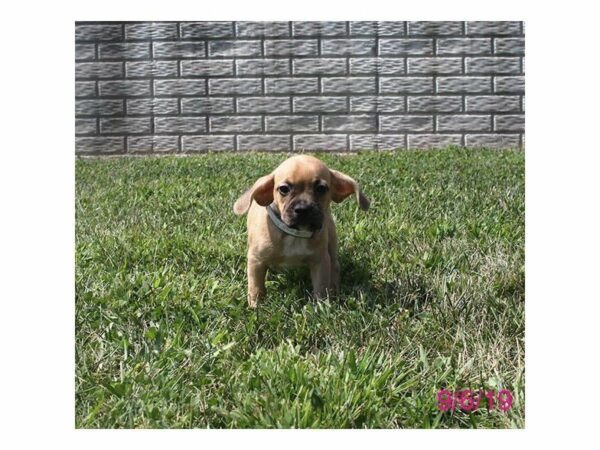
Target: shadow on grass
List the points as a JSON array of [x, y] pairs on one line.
[[289, 292], [274, 324], [409, 291]]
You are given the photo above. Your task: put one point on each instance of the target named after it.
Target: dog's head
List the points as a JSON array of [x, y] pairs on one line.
[[302, 188]]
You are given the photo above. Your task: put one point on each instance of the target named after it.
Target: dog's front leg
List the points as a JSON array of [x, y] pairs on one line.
[[334, 279], [320, 274], [257, 272]]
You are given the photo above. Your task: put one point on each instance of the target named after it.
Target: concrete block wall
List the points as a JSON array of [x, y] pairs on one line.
[[187, 87]]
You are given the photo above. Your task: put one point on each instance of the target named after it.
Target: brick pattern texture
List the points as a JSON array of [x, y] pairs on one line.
[[186, 87]]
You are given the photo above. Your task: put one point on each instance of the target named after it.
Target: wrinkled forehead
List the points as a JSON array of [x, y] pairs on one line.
[[302, 170]]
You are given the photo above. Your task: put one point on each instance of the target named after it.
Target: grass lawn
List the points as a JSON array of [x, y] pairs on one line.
[[432, 296]]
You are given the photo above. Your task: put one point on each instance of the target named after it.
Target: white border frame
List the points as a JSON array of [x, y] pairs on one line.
[[37, 186]]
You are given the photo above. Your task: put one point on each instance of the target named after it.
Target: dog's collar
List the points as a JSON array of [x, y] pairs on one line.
[[286, 229]]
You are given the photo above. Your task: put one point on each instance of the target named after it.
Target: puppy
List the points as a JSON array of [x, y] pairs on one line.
[[290, 222]]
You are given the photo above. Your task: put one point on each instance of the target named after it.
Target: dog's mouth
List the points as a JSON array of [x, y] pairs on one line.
[[310, 222]]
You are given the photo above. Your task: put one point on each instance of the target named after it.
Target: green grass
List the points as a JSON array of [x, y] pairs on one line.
[[432, 296]]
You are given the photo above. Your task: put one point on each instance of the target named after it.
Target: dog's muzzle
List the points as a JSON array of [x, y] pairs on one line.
[[304, 214]]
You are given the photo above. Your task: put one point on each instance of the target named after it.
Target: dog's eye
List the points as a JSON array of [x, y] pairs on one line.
[[321, 189], [284, 189]]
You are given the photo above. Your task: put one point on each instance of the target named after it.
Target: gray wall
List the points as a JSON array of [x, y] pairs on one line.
[[185, 87]]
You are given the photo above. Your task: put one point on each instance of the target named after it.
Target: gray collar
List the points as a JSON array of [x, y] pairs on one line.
[[288, 230]]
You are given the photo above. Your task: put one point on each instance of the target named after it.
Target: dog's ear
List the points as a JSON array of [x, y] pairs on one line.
[[261, 192], [342, 186]]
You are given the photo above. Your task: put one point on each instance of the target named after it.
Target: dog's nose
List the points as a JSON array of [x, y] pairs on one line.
[[302, 208]]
